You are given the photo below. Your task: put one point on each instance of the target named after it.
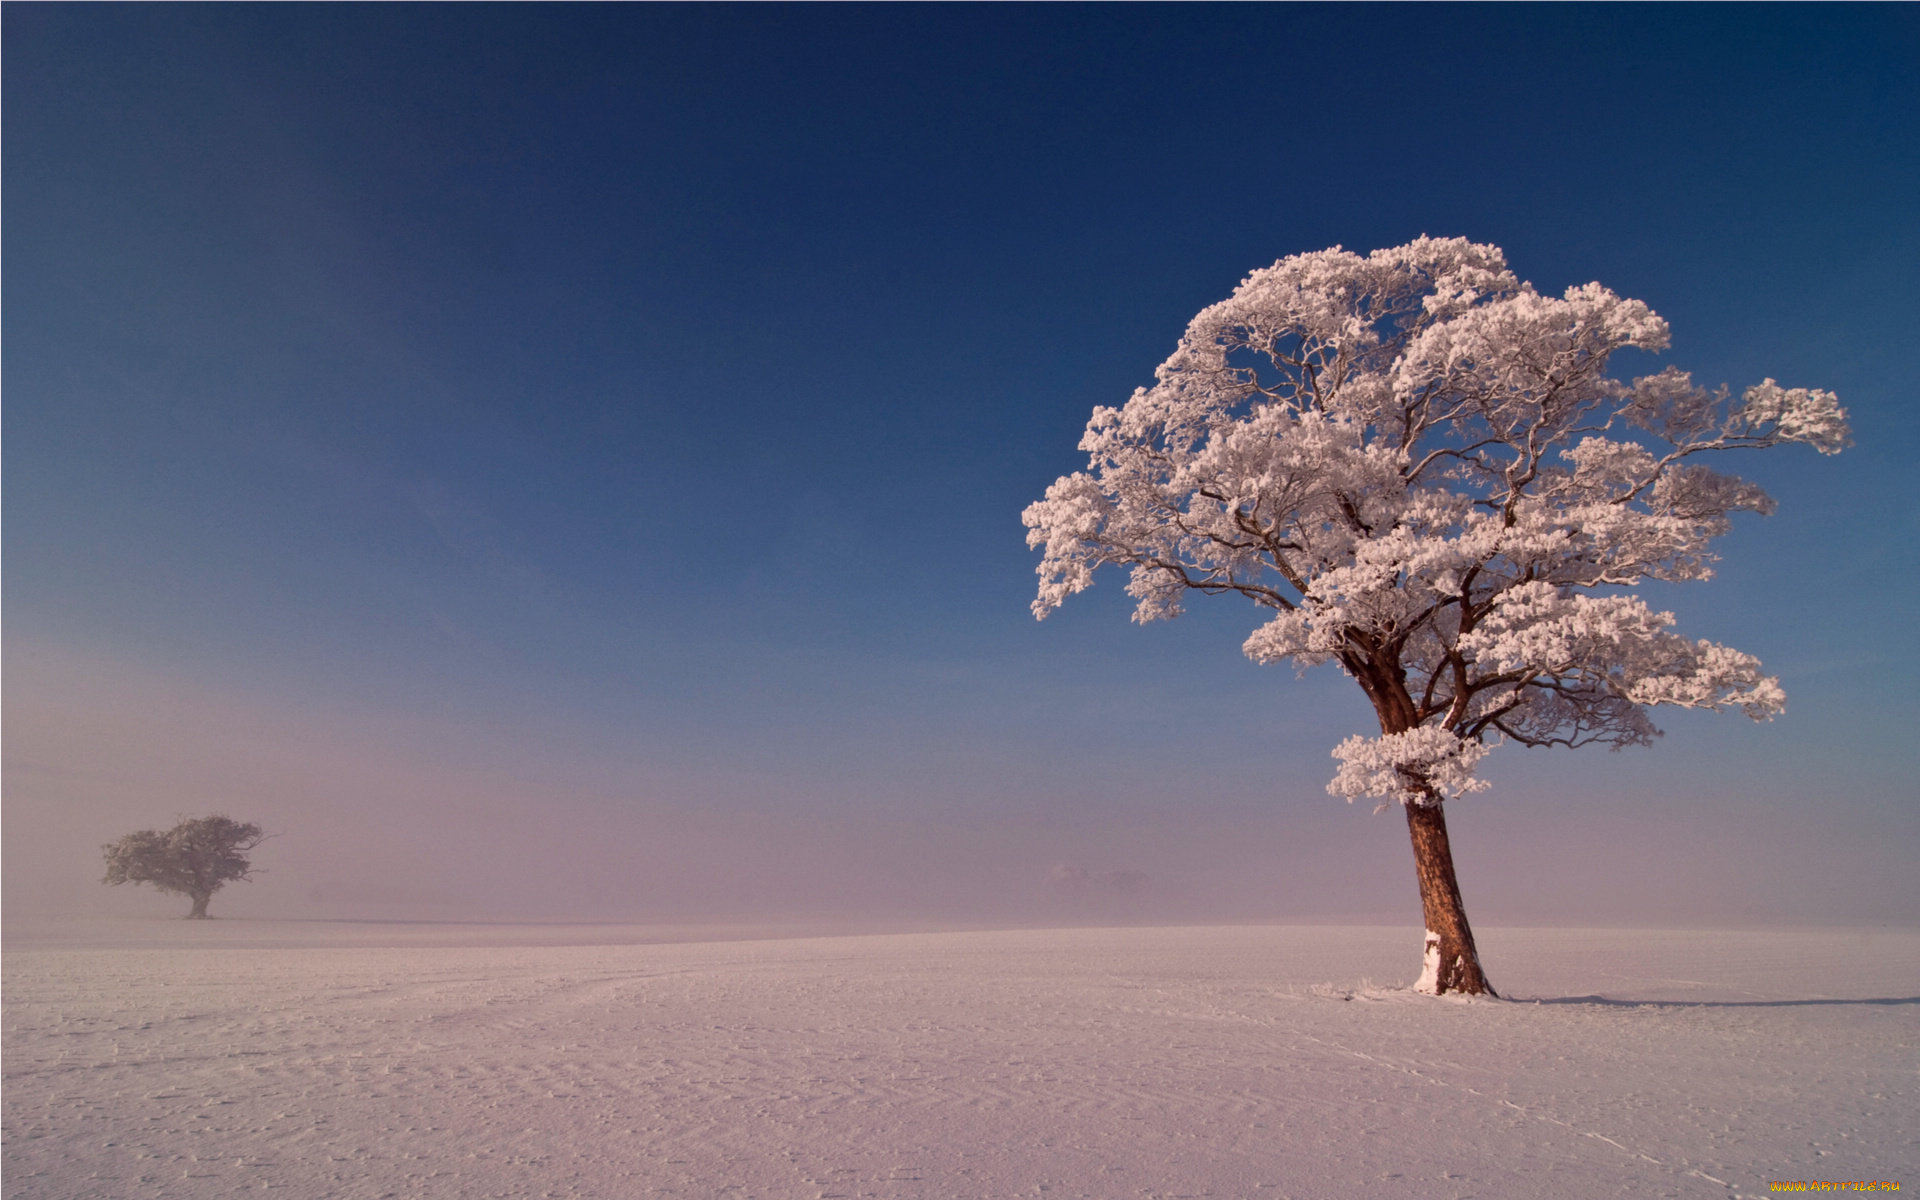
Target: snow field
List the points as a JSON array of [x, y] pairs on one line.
[[1235, 1061]]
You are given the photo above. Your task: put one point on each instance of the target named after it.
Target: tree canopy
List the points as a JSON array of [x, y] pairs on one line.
[[196, 858], [1419, 466]]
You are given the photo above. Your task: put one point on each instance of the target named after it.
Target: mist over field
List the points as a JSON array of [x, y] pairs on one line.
[[416, 819]]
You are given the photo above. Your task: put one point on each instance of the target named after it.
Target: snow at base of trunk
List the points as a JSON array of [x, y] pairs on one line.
[[1429, 981]]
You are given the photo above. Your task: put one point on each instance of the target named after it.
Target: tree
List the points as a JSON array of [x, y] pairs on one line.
[[194, 859], [1420, 467]]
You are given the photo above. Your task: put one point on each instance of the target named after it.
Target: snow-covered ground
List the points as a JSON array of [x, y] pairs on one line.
[[160, 1059]]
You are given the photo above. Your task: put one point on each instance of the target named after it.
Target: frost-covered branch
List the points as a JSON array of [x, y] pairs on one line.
[[1419, 466]]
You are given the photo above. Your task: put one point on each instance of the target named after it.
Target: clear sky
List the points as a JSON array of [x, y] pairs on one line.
[[559, 461]]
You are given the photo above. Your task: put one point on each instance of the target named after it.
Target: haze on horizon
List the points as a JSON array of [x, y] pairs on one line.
[[566, 463]]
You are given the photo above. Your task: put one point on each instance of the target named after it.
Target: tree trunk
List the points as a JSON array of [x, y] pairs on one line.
[[1452, 961], [199, 912]]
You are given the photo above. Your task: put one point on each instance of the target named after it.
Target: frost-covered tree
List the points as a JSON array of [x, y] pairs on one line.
[[1420, 466], [194, 859]]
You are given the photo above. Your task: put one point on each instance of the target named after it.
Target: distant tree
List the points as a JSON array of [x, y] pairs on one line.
[[194, 859], [1420, 466]]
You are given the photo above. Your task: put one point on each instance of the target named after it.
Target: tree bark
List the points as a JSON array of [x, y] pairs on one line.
[[199, 912], [1452, 962]]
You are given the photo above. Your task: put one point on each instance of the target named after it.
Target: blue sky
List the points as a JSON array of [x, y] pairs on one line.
[[555, 460]]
